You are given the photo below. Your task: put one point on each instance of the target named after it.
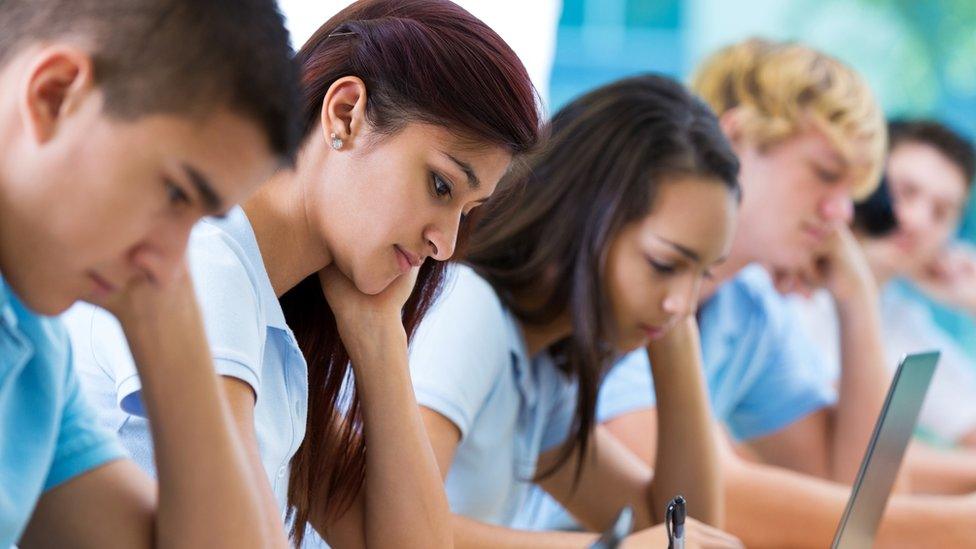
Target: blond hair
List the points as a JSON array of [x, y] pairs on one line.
[[782, 88]]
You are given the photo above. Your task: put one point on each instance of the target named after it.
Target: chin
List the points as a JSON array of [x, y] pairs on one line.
[[47, 303], [624, 347], [373, 286]]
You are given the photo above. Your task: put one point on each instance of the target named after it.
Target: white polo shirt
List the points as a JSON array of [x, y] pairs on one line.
[[469, 362], [248, 337]]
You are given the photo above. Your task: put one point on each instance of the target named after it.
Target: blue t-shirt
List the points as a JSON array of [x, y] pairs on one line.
[[248, 338], [469, 362], [763, 371], [48, 434]]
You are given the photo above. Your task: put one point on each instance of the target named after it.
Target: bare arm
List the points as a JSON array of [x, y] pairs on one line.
[[941, 471], [206, 495], [403, 502], [772, 507], [687, 460], [830, 443], [241, 399], [618, 479], [864, 380]]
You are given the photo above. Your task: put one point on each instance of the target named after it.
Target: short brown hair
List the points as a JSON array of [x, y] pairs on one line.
[[174, 56]]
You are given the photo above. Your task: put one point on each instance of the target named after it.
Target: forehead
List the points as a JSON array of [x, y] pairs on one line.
[[854, 160], [229, 150], [489, 161], [929, 169], [694, 212]]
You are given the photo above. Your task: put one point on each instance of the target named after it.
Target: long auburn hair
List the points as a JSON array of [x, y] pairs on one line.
[[427, 61], [607, 153]]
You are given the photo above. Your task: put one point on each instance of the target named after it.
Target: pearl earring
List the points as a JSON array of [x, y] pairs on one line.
[[336, 142]]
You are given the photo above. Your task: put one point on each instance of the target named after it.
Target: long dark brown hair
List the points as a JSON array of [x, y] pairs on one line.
[[546, 241], [426, 61]]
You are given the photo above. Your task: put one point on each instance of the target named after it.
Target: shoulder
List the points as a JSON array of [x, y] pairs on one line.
[[467, 330], [468, 302], [225, 277], [751, 297]]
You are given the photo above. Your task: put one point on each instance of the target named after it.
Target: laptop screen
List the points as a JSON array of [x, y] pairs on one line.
[[883, 458]]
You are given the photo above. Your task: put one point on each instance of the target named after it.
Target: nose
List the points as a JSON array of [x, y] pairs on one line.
[[911, 215], [682, 296], [837, 207], [442, 240]]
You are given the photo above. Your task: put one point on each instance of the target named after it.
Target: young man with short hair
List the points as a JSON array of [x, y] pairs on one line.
[[122, 122]]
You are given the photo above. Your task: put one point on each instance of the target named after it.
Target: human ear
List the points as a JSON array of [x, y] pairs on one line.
[[60, 77], [344, 112]]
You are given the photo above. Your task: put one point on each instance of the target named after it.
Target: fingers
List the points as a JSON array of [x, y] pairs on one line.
[[707, 537]]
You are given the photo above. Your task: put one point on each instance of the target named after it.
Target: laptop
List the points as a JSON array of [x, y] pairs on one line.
[[883, 458]]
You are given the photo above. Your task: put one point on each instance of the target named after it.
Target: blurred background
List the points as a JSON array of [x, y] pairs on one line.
[[918, 55]]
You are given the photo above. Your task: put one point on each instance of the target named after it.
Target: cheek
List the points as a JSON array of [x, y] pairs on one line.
[[635, 293]]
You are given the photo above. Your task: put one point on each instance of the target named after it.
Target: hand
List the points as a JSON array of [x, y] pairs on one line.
[[155, 304], [950, 277], [361, 317], [697, 536], [839, 266], [683, 333]]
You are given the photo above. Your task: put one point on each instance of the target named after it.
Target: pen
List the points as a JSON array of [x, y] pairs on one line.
[[675, 518]]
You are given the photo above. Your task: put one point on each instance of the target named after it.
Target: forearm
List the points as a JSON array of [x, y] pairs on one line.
[[863, 383], [773, 507], [687, 459], [405, 504], [938, 471], [206, 494], [471, 534]]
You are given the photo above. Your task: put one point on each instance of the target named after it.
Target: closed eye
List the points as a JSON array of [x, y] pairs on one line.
[[662, 268], [827, 176], [175, 194]]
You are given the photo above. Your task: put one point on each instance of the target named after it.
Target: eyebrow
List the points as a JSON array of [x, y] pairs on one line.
[[211, 200], [684, 250], [473, 180]]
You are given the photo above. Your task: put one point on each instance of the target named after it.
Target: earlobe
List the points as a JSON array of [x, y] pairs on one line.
[[344, 111], [59, 80]]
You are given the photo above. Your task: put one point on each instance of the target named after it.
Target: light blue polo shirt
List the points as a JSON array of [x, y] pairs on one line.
[[248, 338], [763, 371], [469, 363], [48, 432]]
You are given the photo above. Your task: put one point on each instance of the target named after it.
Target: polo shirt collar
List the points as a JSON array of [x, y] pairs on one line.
[[239, 228]]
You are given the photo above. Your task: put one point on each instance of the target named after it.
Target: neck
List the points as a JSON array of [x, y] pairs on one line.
[[540, 337], [739, 257], [287, 240]]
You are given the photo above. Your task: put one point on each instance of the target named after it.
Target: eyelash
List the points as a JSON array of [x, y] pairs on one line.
[[176, 195], [436, 182], [826, 176], [661, 267]]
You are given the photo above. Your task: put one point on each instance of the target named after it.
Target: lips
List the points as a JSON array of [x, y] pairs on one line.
[[406, 259], [653, 332], [102, 286], [818, 234], [904, 242]]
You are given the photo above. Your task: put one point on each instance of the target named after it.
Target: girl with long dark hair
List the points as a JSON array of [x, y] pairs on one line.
[[414, 110], [598, 246]]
